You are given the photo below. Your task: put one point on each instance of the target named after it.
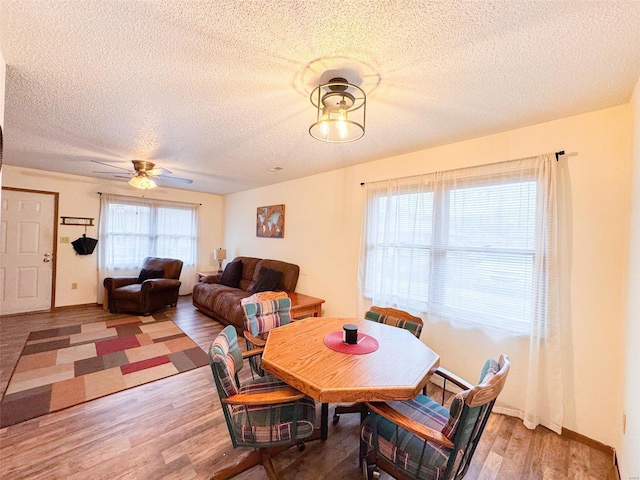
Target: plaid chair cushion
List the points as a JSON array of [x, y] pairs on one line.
[[405, 449], [262, 316], [460, 432], [413, 327], [455, 411], [225, 356], [271, 424], [489, 369]]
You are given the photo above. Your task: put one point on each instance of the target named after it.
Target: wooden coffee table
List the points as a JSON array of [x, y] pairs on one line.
[[398, 370]]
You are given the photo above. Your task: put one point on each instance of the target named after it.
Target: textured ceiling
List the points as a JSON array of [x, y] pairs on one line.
[[219, 91]]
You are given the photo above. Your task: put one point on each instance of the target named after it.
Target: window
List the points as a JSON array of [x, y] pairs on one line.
[[132, 229], [460, 245]]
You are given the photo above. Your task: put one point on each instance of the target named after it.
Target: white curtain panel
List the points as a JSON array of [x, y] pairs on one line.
[[132, 229], [475, 252]]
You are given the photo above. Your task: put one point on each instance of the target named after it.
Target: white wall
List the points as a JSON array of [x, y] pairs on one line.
[[79, 198], [630, 442], [3, 68], [322, 234], [322, 219]]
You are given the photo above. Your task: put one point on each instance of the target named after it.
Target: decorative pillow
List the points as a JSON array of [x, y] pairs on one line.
[[232, 274], [148, 274], [268, 279]]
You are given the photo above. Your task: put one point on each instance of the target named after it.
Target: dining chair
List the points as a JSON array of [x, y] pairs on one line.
[[263, 413], [263, 312], [395, 318], [421, 439]]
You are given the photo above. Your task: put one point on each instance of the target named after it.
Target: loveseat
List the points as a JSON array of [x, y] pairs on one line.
[[222, 302]]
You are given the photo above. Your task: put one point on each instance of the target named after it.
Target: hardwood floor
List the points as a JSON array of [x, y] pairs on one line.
[[174, 428]]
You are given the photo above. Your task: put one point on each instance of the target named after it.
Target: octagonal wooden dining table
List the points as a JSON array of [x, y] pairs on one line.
[[398, 370]]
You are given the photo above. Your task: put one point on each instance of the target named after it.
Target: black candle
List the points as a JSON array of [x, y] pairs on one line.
[[350, 333]]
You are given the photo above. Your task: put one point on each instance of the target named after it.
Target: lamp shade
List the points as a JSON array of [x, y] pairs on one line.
[[220, 254]]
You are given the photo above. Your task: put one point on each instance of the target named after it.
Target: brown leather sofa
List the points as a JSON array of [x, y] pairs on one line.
[[156, 287], [222, 302]]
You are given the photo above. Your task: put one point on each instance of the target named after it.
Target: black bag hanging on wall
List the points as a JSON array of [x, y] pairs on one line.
[[84, 245]]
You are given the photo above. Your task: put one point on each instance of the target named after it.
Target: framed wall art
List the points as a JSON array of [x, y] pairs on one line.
[[270, 221]]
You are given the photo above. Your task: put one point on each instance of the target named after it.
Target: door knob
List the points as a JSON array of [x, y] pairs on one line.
[[47, 257]]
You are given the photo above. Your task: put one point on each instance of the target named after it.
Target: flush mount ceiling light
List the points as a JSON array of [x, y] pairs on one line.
[[340, 111], [142, 181]]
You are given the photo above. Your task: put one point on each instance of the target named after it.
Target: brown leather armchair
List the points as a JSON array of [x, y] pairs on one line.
[[156, 287]]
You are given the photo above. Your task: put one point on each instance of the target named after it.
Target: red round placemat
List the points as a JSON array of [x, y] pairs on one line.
[[367, 343]]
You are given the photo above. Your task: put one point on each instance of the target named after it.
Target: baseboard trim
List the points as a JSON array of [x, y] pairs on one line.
[[571, 435], [69, 307], [55, 309]]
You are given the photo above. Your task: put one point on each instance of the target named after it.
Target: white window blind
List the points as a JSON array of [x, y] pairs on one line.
[[399, 246]]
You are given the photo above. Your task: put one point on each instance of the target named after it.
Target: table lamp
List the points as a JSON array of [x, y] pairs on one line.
[[220, 254]]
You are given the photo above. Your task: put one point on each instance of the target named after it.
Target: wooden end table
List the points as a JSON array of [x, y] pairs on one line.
[[204, 274], [303, 306]]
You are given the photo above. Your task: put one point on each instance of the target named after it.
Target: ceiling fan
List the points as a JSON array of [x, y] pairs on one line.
[[144, 174]]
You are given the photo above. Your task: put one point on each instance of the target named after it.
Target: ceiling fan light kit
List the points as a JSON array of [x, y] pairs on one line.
[[142, 181], [340, 111]]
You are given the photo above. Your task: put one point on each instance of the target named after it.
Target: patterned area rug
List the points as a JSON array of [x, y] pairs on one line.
[[62, 367]]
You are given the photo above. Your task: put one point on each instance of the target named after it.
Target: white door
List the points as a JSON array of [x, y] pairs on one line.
[[26, 251]]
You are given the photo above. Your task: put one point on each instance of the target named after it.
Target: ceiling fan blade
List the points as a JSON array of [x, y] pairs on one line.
[[109, 165], [122, 176], [173, 179], [159, 171]]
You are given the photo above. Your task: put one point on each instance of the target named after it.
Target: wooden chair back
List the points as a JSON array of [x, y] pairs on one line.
[[394, 312], [489, 390], [263, 297]]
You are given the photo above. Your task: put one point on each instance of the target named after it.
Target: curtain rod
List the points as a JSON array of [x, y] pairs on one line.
[[558, 153], [186, 203]]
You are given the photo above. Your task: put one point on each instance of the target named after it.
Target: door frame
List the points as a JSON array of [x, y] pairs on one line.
[[56, 197]]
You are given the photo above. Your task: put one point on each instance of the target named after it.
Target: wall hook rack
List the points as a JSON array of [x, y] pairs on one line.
[[84, 221]]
